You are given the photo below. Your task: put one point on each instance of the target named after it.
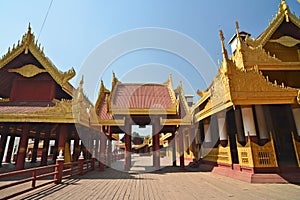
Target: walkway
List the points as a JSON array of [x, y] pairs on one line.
[[168, 183]]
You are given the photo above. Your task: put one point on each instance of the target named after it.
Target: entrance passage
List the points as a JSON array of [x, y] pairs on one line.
[[282, 127]]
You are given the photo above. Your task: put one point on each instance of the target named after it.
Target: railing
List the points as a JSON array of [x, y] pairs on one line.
[[58, 171]]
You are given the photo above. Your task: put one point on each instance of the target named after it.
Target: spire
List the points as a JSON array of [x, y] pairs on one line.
[[238, 45], [224, 51], [29, 28], [283, 7]]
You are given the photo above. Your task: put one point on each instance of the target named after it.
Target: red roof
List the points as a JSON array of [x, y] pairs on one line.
[[103, 109], [141, 96]]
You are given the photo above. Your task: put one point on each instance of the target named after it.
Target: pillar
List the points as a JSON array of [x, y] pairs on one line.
[[20, 163], [127, 163], [76, 151], [97, 148], [239, 124], [261, 122], [3, 142], [248, 121], [109, 147], [222, 128], [10, 149], [156, 143], [102, 149], [35, 147], [173, 143], [207, 132], [45, 150], [55, 149], [62, 138], [181, 148], [67, 155], [296, 115]]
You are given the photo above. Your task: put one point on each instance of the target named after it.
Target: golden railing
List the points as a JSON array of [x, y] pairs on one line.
[[220, 154], [254, 155], [297, 148]]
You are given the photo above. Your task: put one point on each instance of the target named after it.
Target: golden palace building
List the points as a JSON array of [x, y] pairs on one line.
[[246, 124]]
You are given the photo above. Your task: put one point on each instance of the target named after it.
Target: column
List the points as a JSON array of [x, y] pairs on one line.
[[173, 143], [248, 121], [10, 149], [62, 138], [102, 149], [45, 150], [127, 163], [20, 163], [222, 128], [97, 148], [239, 124], [156, 145], [67, 153], [109, 147], [35, 147], [181, 148], [3, 142], [55, 152], [207, 132], [296, 115], [261, 122], [76, 152]]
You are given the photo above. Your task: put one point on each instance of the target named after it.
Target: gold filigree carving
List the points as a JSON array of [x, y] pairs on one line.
[[29, 70], [61, 108], [286, 41], [4, 99]]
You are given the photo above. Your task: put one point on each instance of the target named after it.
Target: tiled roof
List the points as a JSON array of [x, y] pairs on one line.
[[104, 115], [141, 96]]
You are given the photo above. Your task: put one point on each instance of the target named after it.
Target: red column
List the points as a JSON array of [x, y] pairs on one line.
[[3, 141], [109, 147], [22, 148], [45, 149], [127, 162], [181, 149], [62, 138], [102, 149], [173, 143], [55, 152], [10, 149], [76, 152], [35, 147]]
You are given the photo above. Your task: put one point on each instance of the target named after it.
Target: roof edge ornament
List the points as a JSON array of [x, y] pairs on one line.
[[283, 7]]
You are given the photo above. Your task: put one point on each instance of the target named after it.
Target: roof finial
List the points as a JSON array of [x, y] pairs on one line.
[[283, 7], [81, 82], [224, 51], [238, 45], [29, 28]]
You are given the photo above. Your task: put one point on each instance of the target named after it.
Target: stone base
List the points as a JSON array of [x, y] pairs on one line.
[[253, 175]]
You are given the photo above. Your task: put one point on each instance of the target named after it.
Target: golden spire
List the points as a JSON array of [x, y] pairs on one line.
[[283, 7], [224, 51], [238, 45], [29, 28]]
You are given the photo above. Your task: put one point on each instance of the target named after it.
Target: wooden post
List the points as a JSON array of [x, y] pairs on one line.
[[3, 141], [173, 142], [127, 156], [44, 158], [181, 149], [76, 151], [102, 149], [109, 147], [10, 149], [59, 168], [156, 145], [80, 164], [22, 148], [35, 147]]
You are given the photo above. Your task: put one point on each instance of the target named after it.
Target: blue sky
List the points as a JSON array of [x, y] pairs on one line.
[[74, 29]]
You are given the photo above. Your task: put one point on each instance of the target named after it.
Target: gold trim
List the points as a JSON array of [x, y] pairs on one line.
[[286, 41], [29, 70]]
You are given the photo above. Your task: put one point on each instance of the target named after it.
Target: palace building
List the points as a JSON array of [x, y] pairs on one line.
[[246, 124]]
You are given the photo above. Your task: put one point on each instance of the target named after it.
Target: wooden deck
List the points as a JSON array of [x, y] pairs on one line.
[[167, 183]]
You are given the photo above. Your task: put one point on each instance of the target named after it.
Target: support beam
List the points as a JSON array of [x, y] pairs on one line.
[[45, 150], [181, 148], [10, 149], [109, 147], [3, 142], [20, 163], [127, 163], [173, 143], [35, 147], [261, 122], [156, 144], [102, 149]]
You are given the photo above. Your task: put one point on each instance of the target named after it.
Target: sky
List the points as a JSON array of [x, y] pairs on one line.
[[143, 41]]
